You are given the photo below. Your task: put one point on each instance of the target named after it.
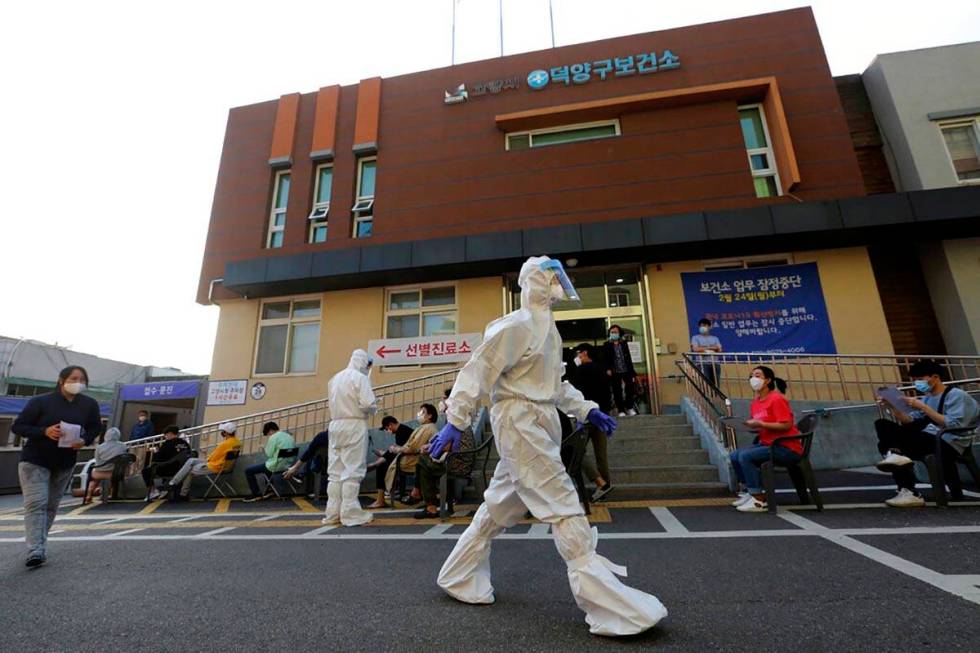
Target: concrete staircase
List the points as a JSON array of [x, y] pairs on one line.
[[659, 456]]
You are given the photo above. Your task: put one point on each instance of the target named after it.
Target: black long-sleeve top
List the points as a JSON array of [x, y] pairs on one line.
[[50, 409], [591, 381]]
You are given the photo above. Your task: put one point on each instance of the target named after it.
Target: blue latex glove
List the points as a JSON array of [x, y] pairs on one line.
[[604, 422], [448, 436]]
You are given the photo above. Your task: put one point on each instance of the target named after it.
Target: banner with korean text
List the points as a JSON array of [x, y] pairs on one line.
[[778, 309], [427, 350]]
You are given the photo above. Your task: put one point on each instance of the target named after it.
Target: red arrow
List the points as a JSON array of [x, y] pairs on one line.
[[382, 351]]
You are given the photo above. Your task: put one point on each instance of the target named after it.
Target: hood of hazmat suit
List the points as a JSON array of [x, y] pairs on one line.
[[519, 366]]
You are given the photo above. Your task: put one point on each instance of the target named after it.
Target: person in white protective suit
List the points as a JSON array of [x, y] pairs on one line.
[[351, 402], [519, 365]]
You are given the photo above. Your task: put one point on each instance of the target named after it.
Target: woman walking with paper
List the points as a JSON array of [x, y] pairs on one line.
[[53, 426]]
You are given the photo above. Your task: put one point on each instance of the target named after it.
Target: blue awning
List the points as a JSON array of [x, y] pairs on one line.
[[13, 406]]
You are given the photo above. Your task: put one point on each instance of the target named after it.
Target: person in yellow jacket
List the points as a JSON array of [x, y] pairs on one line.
[[215, 463]]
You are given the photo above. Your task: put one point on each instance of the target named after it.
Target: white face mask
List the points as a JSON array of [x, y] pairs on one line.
[[557, 293], [578, 361], [703, 329], [756, 383], [422, 415], [74, 388], [142, 418], [442, 406]]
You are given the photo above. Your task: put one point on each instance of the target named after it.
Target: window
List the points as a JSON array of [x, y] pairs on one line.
[[289, 337], [413, 312], [321, 203], [277, 217], [748, 262], [363, 208], [762, 162], [963, 146], [564, 134]]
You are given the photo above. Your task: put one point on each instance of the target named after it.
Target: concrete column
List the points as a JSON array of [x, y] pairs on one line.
[[952, 272]]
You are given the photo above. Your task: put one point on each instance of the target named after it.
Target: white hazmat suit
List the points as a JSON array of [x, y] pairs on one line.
[[519, 365], [351, 401]]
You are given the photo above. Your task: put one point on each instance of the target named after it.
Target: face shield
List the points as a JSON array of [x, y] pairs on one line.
[[566, 284]]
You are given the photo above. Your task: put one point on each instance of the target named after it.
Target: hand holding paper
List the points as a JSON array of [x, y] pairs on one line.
[[71, 436], [895, 399]]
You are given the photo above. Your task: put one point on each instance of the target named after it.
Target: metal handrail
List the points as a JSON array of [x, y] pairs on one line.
[[305, 419], [696, 380]]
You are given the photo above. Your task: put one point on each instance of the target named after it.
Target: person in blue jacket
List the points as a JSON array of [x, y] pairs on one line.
[[142, 428]]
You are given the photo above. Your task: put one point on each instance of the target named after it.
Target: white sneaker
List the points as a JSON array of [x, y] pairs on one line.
[[622, 415], [631, 412], [753, 505], [906, 499], [893, 461], [742, 498], [155, 494]]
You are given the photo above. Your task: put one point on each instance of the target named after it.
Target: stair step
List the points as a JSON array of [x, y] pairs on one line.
[[646, 457], [668, 431], [664, 474], [625, 491], [644, 443], [653, 419]]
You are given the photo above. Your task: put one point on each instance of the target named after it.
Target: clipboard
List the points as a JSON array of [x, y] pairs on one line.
[[894, 398]]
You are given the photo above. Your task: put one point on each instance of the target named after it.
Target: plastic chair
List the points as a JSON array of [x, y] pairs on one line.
[[269, 476], [934, 462], [220, 478], [447, 484], [119, 465], [800, 473]]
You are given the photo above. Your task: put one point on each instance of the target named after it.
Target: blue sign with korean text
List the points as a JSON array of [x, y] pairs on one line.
[[160, 391], [778, 309]]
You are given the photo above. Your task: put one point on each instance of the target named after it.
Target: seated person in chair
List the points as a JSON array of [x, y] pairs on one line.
[[103, 465], [913, 437], [215, 464], [402, 433], [277, 441], [428, 472], [407, 456], [773, 417], [309, 463], [167, 460]]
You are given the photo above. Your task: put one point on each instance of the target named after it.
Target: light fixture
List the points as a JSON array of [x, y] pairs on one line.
[[571, 262], [619, 280]]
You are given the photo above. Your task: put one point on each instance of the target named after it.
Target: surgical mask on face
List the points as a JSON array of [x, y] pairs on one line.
[[422, 415], [756, 383], [557, 293], [142, 418], [614, 336], [922, 385], [74, 388], [578, 361], [703, 329]]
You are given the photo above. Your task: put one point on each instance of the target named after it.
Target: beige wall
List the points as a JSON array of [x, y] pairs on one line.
[[952, 273], [350, 318], [853, 307]]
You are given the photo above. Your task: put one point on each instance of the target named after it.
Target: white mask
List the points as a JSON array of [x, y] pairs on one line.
[[578, 361], [422, 415], [74, 388], [557, 293], [756, 383], [703, 329], [442, 406]]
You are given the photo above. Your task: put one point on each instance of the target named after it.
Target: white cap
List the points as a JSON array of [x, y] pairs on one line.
[[227, 427]]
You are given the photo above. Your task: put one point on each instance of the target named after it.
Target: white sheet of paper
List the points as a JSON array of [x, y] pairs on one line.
[[895, 398], [70, 435]]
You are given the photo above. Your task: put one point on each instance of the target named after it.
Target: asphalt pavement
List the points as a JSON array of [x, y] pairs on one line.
[[228, 576]]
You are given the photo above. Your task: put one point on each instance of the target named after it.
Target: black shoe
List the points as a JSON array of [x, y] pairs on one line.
[[35, 560], [425, 514], [410, 500]]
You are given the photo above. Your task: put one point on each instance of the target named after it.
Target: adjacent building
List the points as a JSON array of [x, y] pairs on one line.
[[707, 170]]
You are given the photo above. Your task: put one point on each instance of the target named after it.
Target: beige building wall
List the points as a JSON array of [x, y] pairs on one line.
[[952, 273], [853, 307], [349, 319]]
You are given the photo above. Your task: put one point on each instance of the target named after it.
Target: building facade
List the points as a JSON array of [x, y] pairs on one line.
[[927, 104], [661, 168]]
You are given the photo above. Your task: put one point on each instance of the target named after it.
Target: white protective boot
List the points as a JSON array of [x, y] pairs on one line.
[[465, 575], [611, 608], [332, 514], [351, 512]]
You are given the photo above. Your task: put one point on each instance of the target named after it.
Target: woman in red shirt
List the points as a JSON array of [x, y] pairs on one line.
[[772, 416]]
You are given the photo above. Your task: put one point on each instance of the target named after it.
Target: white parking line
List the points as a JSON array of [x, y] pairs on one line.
[[215, 532], [437, 530], [111, 521], [539, 529], [267, 518], [955, 585], [121, 533], [318, 531], [183, 519], [667, 519]]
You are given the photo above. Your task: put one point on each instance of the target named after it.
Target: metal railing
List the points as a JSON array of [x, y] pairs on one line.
[[303, 421], [825, 377], [708, 400]]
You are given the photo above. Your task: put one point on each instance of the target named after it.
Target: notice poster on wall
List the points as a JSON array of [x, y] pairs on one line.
[[778, 309], [227, 393]]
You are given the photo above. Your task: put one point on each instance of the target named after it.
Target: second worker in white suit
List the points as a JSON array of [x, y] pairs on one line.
[[351, 402], [519, 366]]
